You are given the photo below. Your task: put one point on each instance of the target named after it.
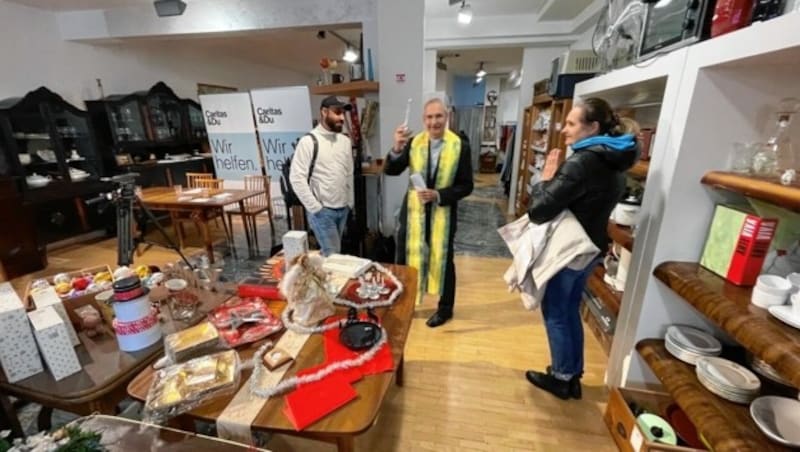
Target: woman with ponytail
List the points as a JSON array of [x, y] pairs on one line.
[[589, 183]]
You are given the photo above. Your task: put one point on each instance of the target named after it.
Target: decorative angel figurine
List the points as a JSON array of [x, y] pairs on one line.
[[304, 287]]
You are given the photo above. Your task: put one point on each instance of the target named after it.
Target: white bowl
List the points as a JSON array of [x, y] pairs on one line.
[[774, 285], [765, 299]]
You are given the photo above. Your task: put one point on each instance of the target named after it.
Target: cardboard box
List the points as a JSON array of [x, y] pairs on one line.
[[737, 244], [295, 243], [48, 298], [51, 334], [18, 353], [622, 423]]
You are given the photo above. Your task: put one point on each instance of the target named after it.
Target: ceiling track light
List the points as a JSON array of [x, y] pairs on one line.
[[350, 51], [169, 8], [481, 72], [465, 13]]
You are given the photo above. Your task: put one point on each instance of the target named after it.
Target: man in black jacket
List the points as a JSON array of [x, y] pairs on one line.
[[440, 162], [589, 183]]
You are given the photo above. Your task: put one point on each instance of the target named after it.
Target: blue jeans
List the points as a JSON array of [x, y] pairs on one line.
[[562, 320], [328, 226]]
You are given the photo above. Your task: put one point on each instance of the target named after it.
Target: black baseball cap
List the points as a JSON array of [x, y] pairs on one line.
[[334, 102]]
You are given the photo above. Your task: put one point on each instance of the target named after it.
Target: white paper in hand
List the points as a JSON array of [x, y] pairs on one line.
[[418, 181]]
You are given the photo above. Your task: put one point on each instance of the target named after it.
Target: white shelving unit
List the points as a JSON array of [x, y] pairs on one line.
[[712, 94]]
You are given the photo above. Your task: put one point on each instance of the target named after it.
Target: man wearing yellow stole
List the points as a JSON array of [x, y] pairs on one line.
[[441, 174]]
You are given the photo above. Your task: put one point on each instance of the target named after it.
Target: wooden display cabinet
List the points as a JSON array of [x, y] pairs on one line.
[[45, 136]]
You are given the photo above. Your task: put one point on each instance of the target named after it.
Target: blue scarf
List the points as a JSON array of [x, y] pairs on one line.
[[620, 143]]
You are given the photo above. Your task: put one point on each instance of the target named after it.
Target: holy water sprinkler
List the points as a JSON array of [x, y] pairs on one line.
[[408, 112]]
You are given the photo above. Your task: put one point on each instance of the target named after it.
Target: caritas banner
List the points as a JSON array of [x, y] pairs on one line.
[[231, 134], [283, 115]]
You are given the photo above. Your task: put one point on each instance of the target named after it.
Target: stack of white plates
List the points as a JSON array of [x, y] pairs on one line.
[[767, 371], [728, 379], [689, 344]]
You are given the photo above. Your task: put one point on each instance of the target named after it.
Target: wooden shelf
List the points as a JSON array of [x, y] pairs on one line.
[[611, 298], [621, 235], [767, 189], [639, 170], [542, 99], [726, 426], [350, 89], [729, 307]]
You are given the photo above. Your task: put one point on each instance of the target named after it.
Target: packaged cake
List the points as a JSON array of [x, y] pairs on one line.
[[180, 388], [198, 340]]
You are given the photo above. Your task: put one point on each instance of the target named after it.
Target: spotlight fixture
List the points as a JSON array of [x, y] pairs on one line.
[[350, 55], [350, 51], [481, 72], [168, 8], [465, 13]]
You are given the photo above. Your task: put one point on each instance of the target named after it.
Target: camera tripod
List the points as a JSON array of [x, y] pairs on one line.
[[123, 198]]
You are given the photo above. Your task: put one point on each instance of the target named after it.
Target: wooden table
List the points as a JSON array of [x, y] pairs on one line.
[[101, 385], [165, 198], [123, 435], [343, 425]]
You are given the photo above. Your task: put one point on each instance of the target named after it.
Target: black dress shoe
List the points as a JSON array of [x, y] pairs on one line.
[[575, 390], [438, 318], [551, 384]]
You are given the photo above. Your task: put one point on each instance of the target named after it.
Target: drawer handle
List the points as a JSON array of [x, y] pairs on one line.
[[621, 430]]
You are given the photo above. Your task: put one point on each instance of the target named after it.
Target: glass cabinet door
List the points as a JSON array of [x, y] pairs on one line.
[[126, 122], [196, 123], [165, 117], [35, 150], [75, 138]]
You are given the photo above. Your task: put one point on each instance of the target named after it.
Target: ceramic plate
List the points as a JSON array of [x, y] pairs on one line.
[[683, 355], [778, 418], [728, 375], [767, 371], [694, 340], [784, 314]]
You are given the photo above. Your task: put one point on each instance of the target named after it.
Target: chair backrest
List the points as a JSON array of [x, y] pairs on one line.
[[192, 178], [257, 183], [211, 184]]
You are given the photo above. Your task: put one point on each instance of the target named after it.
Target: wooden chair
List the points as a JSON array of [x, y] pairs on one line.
[[178, 219], [192, 178], [252, 207]]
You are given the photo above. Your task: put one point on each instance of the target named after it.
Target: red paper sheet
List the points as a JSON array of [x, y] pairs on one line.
[[311, 402]]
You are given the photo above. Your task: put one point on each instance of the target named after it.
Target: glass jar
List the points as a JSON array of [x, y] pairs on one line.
[[182, 302], [777, 155]]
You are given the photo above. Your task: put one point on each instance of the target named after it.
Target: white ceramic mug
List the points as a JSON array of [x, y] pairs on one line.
[[794, 278]]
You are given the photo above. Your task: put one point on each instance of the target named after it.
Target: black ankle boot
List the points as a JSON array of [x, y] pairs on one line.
[[549, 383], [575, 390]]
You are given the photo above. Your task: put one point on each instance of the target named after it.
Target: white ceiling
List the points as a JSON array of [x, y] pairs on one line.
[[294, 49], [496, 61], [564, 9], [442, 8], [67, 5]]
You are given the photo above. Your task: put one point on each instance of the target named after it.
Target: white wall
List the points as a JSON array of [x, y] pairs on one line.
[[508, 104], [584, 41], [400, 32], [70, 68], [536, 65]]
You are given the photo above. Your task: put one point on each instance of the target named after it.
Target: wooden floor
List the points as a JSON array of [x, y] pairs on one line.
[[465, 388]]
